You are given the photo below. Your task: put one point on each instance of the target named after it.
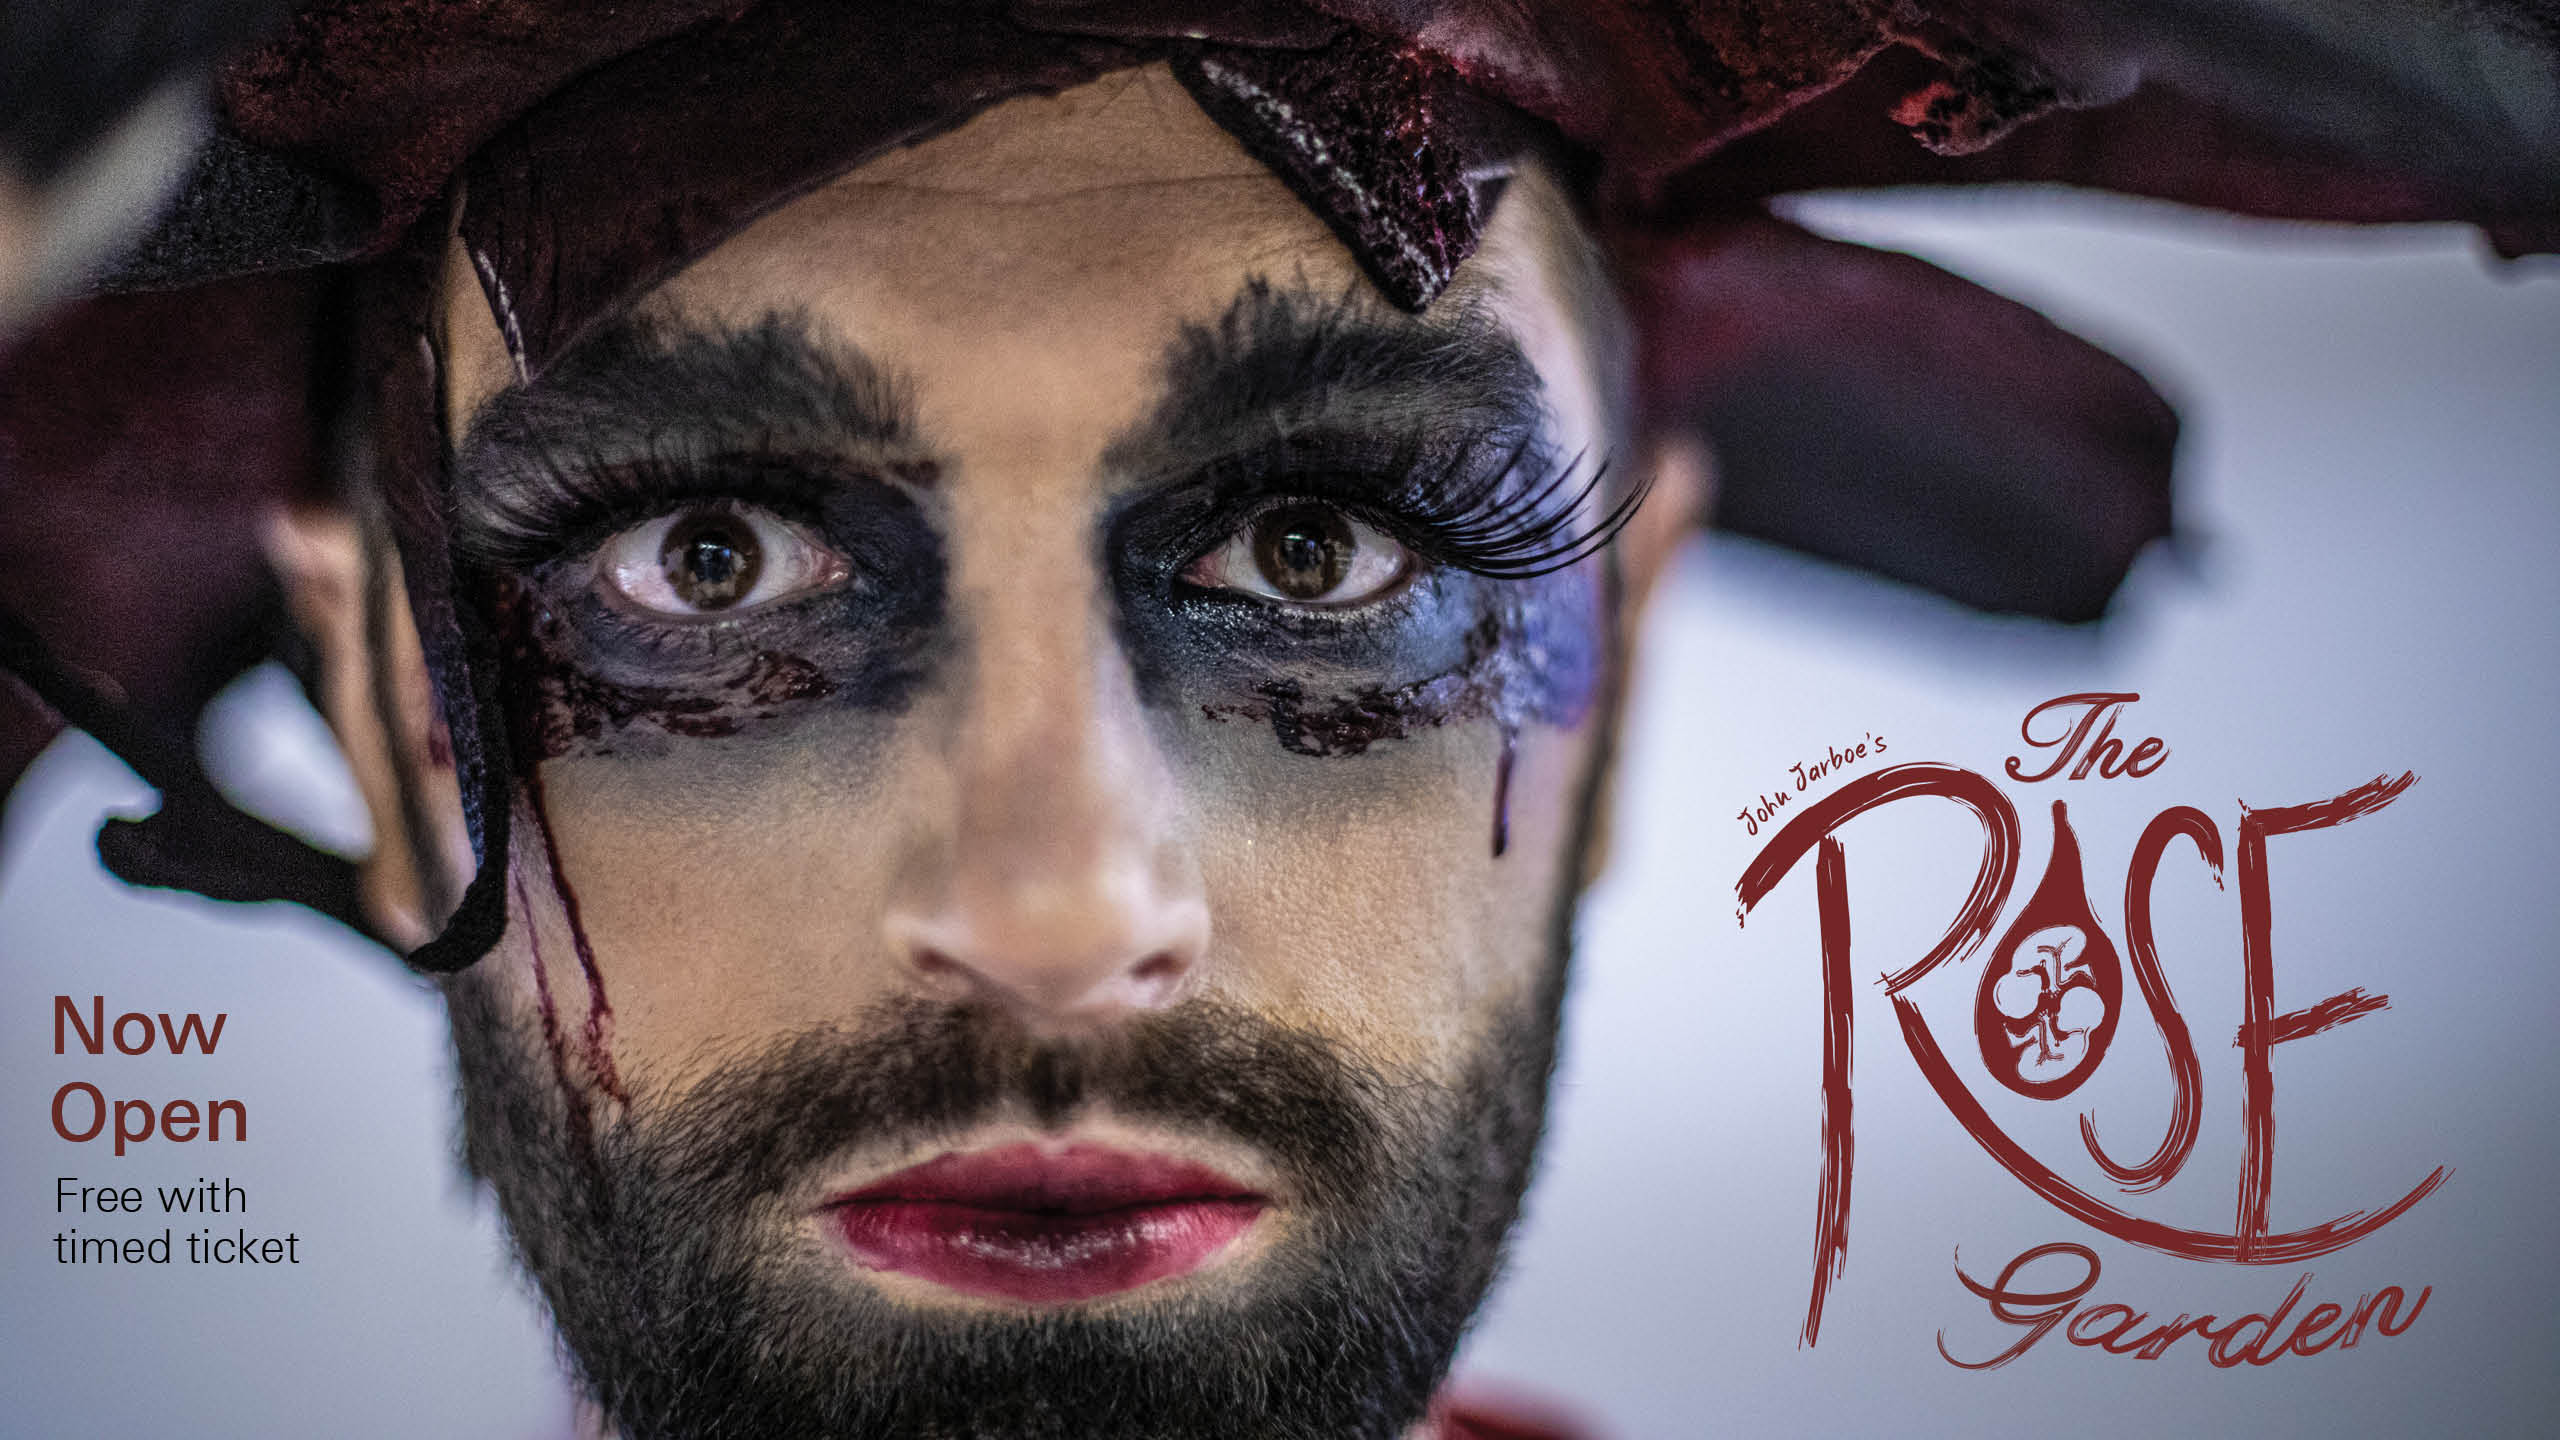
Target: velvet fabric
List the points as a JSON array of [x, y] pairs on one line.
[[136, 478]]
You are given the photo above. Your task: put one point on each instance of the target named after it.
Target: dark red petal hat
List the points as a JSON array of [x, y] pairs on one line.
[[266, 340]]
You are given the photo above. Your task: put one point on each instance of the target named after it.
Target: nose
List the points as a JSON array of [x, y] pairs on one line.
[[1063, 887]]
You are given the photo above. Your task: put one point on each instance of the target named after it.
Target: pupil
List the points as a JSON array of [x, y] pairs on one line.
[[714, 563], [1304, 550], [711, 562]]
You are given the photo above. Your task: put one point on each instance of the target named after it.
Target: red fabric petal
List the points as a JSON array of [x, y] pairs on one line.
[[144, 440], [2315, 136], [1873, 409]]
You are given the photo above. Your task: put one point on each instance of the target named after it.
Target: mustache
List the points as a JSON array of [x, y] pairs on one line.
[[913, 1070]]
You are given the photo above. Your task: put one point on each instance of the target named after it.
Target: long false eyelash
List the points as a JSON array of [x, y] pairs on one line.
[[1467, 513], [1490, 526], [1464, 508], [546, 504]]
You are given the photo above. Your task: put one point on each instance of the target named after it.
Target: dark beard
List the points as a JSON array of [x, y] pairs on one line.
[[655, 1241]]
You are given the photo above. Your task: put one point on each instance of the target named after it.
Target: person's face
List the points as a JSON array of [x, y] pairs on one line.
[[1050, 804]]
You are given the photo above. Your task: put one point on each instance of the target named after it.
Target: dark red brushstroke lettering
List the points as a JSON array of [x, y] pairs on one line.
[[2039, 1311], [2329, 1014], [1972, 922], [599, 1027], [2289, 1247], [2106, 752], [2382, 1307], [1991, 881], [2057, 943], [2259, 1029], [2249, 1242], [2186, 1101], [1831, 1211], [2257, 1339]]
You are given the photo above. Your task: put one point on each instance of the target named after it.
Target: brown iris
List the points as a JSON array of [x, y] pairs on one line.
[[711, 560], [1303, 550]]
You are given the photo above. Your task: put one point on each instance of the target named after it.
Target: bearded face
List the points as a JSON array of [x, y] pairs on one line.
[[1060, 733]]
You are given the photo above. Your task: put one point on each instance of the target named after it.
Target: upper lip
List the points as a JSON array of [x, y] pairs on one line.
[[1072, 1179]]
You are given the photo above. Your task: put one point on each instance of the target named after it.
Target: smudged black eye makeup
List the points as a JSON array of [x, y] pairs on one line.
[[1332, 506], [670, 562], [1435, 431], [1326, 587], [1302, 437], [691, 530], [750, 589]]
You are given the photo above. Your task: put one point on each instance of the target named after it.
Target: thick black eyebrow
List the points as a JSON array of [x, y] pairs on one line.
[[1285, 360], [653, 391]]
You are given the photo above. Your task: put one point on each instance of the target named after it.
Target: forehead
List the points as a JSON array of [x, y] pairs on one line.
[[1024, 273], [1090, 211]]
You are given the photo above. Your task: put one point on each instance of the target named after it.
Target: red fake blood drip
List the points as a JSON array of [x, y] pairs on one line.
[[1502, 794], [599, 1011], [551, 1020]]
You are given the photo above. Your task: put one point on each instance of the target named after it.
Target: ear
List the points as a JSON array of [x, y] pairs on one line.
[[1681, 470], [343, 587]]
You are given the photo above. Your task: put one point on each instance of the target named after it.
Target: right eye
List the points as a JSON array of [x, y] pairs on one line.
[[1308, 554], [709, 561]]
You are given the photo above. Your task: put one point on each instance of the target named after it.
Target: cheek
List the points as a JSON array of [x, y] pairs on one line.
[[1386, 860], [587, 676], [723, 886], [1360, 895]]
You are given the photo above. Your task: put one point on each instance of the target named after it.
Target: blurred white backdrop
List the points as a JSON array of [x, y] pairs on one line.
[[2372, 457]]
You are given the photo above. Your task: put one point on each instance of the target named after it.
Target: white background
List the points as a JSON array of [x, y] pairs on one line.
[[2372, 460]]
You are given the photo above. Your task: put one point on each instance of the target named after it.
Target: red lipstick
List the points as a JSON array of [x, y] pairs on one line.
[[1045, 1226]]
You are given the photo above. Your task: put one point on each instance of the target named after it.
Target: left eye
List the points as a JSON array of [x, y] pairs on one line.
[[1307, 554], [712, 559]]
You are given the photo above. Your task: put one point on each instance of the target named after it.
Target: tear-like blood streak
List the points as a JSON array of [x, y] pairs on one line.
[[599, 1029], [1502, 793], [551, 1020]]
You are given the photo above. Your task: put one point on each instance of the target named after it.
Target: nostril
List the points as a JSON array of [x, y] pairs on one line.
[[1034, 981]]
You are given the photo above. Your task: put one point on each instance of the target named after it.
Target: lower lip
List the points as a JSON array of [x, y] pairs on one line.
[[1037, 1258]]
